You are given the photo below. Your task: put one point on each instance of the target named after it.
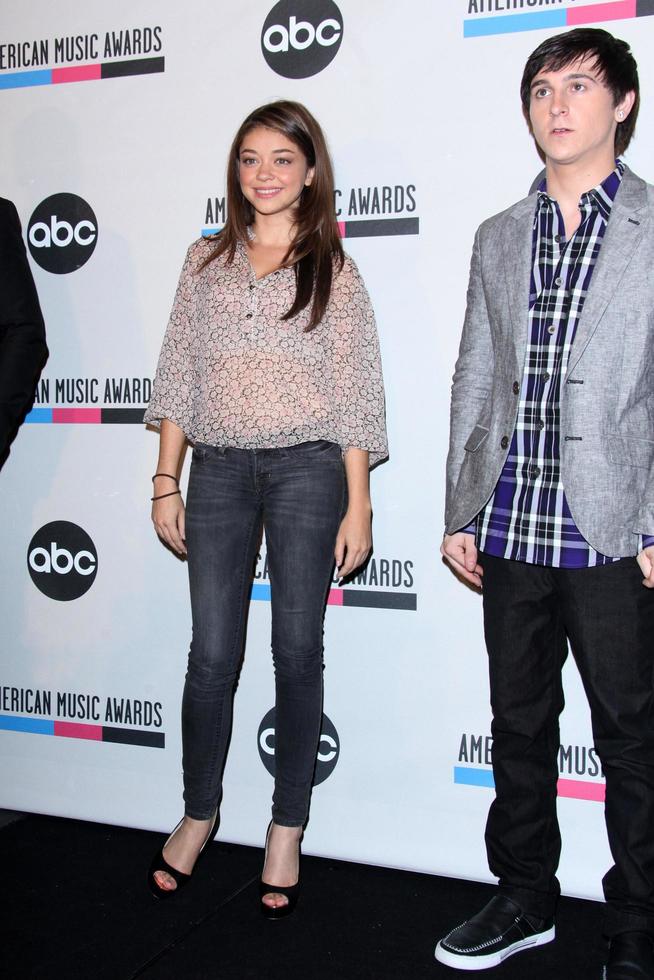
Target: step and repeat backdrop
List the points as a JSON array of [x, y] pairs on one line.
[[117, 119]]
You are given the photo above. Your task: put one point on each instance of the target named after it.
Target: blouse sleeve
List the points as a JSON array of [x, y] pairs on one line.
[[355, 368], [174, 383]]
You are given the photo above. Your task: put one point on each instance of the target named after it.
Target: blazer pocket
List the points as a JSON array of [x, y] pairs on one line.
[[476, 438], [631, 451]]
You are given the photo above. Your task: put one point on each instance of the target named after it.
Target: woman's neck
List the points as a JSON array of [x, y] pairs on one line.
[[273, 230]]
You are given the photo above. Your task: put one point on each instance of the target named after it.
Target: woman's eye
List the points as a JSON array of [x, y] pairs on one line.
[[282, 160], [248, 161]]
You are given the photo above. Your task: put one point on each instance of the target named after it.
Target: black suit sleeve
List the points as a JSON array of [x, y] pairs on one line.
[[23, 350]]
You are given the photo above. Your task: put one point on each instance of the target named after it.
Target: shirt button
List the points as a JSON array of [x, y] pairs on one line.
[[558, 281], [558, 238], [516, 388], [248, 316], [540, 424], [251, 285], [504, 442], [535, 471], [551, 329], [545, 375]]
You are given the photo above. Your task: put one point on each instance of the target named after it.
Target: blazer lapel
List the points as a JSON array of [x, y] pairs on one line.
[[623, 234], [517, 243]]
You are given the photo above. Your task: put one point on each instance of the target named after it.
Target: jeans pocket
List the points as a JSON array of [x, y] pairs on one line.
[[320, 449], [200, 452]]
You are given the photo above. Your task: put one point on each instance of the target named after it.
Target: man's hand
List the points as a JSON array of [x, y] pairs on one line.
[[646, 561], [460, 551]]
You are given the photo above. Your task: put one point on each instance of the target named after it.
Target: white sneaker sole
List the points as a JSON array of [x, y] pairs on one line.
[[462, 961]]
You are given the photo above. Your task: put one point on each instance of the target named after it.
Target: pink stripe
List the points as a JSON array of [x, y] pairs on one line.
[[72, 415], [335, 597], [69, 729], [341, 228], [79, 73], [620, 10], [576, 789]]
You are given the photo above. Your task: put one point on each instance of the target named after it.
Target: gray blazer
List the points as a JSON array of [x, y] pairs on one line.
[[607, 401]]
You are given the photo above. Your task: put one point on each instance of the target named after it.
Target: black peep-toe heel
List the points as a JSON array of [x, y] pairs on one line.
[[290, 892], [159, 863]]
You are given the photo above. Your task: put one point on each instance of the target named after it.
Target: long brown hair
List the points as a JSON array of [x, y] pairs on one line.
[[316, 247]]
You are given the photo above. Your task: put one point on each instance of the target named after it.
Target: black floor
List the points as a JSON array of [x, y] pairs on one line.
[[76, 907]]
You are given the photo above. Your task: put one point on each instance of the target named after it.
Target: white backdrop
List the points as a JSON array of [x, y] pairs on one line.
[[407, 102]]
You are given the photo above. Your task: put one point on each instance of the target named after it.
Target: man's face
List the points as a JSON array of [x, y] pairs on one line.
[[572, 114]]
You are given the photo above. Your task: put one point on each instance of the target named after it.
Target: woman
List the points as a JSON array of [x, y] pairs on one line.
[[270, 367]]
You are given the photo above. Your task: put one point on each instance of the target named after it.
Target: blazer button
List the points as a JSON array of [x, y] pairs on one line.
[[505, 442], [516, 388]]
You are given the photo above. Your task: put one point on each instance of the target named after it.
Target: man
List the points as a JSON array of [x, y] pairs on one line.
[[551, 459], [23, 350]]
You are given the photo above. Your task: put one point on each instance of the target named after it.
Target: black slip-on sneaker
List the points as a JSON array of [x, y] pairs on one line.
[[631, 957], [497, 932]]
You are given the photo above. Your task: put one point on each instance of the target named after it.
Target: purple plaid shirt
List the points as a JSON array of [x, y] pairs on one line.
[[527, 517]]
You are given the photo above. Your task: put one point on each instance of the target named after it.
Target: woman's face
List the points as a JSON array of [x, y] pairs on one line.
[[272, 170]]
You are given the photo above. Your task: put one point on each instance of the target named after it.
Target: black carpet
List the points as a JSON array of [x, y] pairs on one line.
[[77, 907]]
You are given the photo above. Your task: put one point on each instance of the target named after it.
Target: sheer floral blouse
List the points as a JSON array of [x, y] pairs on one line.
[[233, 373]]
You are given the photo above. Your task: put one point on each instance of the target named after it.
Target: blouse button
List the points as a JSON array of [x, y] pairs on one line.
[[248, 316]]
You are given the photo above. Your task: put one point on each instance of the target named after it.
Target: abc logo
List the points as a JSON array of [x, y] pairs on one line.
[[301, 37], [62, 233], [62, 561], [329, 747]]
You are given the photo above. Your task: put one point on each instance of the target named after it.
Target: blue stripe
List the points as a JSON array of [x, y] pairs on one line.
[[483, 26], [41, 726], [207, 232], [39, 415], [23, 79], [474, 777], [260, 592]]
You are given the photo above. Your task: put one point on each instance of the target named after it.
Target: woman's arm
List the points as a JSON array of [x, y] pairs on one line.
[[354, 538], [168, 512]]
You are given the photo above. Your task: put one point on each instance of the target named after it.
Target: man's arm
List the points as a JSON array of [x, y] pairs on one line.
[[471, 387], [473, 374], [23, 351]]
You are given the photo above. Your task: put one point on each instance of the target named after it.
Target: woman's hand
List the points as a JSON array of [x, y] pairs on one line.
[[168, 510], [168, 517], [354, 539]]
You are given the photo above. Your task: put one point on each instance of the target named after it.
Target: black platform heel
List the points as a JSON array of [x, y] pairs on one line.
[[159, 863], [290, 892]]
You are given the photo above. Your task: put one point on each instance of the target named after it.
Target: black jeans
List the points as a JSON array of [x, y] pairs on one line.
[[530, 612], [299, 495]]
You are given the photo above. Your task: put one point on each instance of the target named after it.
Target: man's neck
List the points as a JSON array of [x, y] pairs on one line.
[[568, 181]]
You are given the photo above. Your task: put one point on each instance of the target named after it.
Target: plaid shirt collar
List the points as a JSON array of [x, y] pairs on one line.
[[599, 198]]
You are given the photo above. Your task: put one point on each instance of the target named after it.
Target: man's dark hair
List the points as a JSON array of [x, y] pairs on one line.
[[608, 55]]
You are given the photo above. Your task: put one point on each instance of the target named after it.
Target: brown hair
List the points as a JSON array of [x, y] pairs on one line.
[[316, 246]]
